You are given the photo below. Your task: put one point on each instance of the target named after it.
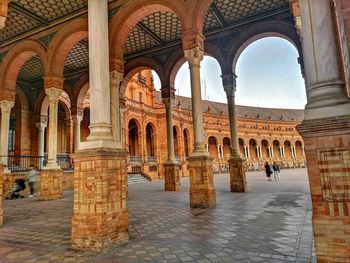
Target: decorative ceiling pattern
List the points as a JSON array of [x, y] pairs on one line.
[[154, 31], [78, 58], [32, 71]]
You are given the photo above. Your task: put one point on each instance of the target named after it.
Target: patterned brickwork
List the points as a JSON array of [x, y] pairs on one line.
[[202, 190], [51, 184], [238, 180], [100, 217], [327, 152], [172, 177]]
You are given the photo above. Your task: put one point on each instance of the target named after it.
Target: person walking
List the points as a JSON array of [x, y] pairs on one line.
[[276, 171], [32, 180], [268, 171]]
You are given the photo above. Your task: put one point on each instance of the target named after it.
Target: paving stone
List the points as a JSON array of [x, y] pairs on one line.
[[270, 223]]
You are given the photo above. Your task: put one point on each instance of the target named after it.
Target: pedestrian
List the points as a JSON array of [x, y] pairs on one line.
[[32, 179], [268, 171], [276, 171]]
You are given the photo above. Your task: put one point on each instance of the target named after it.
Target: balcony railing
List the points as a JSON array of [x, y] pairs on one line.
[[152, 159], [135, 159]]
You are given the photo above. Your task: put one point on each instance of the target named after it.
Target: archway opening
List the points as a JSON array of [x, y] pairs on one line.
[[212, 147], [134, 149]]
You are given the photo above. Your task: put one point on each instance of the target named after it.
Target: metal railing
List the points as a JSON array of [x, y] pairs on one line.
[[21, 163], [152, 159], [135, 159]]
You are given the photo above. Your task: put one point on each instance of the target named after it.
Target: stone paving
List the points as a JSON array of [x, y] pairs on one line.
[[271, 223]]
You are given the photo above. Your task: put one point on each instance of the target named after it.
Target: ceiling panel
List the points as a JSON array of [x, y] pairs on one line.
[[32, 71]]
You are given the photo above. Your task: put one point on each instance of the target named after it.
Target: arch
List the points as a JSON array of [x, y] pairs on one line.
[[150, 139], [134, 141], [15, 60], [276, 148], [136, 66], [124, 21], [226, 142], [201, 9], [63, 42], [22, 98], [241, 146], [213, 146], [64, 101], [265, 148], [176, 135], [186, 136], [252, 148], [82, 91], [259, 31], [299, 148], [287, 148]]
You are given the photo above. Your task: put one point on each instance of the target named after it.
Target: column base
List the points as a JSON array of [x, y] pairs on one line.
[[1, 195], [202, 190], [328, 155], [51, 184], [100, 216], [238, 180], [172, 176]]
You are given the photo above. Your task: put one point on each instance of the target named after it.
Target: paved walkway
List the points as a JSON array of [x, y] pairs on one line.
[[271, 223]]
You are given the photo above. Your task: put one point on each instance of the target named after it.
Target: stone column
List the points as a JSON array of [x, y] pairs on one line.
[[238, 181], [326, 132], [77, 130], [1, 194], [100, 215], [200, 163], [171, 168], [218, 150], [248, 151], [5, 107], [41, 126], [302, 147], [116, 78], [51, 175]]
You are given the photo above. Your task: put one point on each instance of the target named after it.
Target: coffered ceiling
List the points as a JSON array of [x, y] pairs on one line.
[[157, 30]]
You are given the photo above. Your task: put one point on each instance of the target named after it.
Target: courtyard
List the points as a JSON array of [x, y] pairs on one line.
[[270, 223]]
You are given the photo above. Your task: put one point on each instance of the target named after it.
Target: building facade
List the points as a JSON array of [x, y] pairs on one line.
[[53, 52]]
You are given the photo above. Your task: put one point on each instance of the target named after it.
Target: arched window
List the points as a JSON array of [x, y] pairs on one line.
[[133, 139]]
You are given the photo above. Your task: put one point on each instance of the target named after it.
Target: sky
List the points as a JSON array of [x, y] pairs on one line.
[[268, 76]]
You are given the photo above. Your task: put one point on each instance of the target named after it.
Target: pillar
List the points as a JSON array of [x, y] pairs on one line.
[[77, 130], [238, 181], [1, 194], [326, 132], [5, 107], [100, 215], [51, 175], [200, 163], [116, 78], [171, 168], [41, 126]]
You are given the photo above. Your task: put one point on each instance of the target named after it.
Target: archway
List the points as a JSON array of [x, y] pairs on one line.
[[213, 147], [227, 148], [241, 147], [287, 149], [150, 141], [134, 147], [299, 149], [176, 141], [276, 149], [253, 152], [186, 142], [265, 149]]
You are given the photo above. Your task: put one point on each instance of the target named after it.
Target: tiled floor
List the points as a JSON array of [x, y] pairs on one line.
[[270, 223]]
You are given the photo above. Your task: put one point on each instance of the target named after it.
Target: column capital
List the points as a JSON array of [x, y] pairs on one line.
[[168, 102], [168, 91], [116, 77], [6, 105], [77, 111], [229, 79], [53, 94], [41, 125], [194, 56], [77, 119]]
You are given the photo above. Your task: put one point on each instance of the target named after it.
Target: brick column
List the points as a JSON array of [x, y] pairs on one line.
[[171, 168], [238, 181], [200, 163], [100, 215], [5, 107], [326, 133]]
